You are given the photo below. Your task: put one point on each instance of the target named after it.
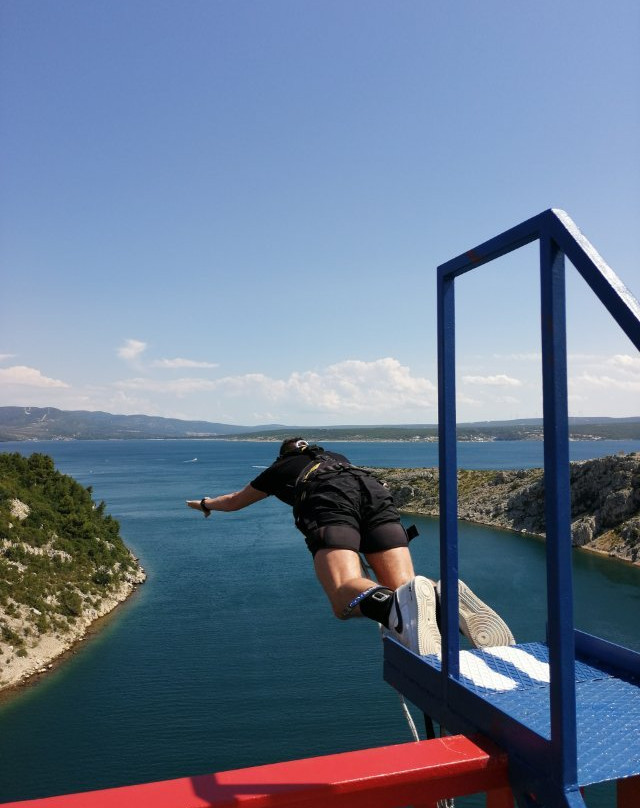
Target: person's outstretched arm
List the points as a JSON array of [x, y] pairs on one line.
[[228, 502]]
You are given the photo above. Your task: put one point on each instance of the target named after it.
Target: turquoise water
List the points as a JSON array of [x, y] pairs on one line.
[[229, 656]]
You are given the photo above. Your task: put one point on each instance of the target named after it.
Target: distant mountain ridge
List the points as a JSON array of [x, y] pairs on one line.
[[582, 428], [49, 423]]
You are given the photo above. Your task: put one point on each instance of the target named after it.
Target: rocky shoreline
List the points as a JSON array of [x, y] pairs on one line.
[[40, 657], [605, 501], [63, 566]]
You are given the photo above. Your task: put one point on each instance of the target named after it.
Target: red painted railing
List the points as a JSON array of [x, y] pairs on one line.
[[417, 774]]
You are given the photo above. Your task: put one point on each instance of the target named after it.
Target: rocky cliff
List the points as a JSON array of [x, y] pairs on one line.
[[605, 500]]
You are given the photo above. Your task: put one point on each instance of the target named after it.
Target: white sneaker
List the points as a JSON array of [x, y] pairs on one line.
[[412, 620], [483, 627]]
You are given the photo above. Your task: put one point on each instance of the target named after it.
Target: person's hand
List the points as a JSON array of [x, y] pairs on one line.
[[196, 505]]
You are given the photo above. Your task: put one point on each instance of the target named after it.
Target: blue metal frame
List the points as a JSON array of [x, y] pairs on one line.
[[551, 764]]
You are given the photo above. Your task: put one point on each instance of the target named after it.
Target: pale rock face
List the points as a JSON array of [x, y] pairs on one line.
[[582, 531], [615, 508], [19, 510]]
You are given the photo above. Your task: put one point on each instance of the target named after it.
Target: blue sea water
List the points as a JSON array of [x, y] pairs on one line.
[[229, 656]]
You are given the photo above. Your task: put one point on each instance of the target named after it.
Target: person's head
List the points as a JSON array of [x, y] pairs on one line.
[[289, 445]]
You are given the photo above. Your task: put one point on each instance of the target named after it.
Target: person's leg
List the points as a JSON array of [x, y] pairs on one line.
[[392, 567], [412, 618], [409, 612], [340, 575], [385, 543]]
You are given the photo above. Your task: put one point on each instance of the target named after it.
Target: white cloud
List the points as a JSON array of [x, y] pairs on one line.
[[177, 387], [608, 382], [619, 373], [383, 387], [132, 349], [626, 364], [28, 377], [535, 356], [5, 356], [350, 391], [499, 380], [178, 362], [585, 358], [470, 402], [355, 386]]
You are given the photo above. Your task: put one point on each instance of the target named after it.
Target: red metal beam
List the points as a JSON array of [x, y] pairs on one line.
[[628, 793], [383, 777], [501, 798]]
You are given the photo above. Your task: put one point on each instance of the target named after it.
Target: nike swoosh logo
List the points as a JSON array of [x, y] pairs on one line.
[[399, 624]]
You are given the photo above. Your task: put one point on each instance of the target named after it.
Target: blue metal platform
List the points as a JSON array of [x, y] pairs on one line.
[[514, 681]]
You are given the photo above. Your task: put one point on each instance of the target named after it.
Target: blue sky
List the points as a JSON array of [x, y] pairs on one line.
[[234, 209]]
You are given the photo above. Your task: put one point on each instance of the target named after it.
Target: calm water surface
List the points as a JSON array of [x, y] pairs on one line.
[[229, 656]]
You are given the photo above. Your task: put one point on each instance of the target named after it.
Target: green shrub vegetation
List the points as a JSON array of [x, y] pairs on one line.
[[59, 555]]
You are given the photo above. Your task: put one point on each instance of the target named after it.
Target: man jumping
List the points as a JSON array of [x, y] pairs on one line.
[[343, 511]]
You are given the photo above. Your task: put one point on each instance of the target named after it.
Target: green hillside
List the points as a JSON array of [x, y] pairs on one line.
[[60, 553]]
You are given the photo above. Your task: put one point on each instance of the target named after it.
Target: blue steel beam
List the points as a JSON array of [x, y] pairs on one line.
[[608, 287], [611, 291], [489, 250], [619, 659], [558, 512], [448, 486]]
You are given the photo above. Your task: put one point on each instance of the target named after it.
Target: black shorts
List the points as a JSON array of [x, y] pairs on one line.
[[349, 510]]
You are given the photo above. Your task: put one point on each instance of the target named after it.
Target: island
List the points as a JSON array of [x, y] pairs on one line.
[[63, 565]]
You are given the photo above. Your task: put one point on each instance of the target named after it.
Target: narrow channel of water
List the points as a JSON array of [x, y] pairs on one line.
[[229, 656]]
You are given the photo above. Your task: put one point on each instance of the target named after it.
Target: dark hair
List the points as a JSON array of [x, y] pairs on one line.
[[291, 444]]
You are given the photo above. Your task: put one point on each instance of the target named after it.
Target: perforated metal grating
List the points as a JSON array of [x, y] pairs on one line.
[[515, 679]]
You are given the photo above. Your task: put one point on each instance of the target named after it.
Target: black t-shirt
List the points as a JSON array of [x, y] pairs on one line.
[[280, 478]]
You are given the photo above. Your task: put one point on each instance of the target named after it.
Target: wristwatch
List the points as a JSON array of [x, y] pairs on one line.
[[204, 508]]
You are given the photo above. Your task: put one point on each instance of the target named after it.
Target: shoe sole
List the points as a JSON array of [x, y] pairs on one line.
[[479, 623], [429, 641]]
